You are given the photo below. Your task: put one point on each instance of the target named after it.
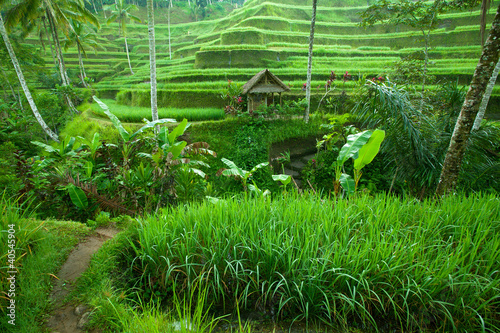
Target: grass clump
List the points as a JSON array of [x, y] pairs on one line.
[[380, 262]]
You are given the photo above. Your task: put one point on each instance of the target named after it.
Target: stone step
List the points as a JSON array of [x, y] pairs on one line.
[[307, 158], [297, 165], [292, 173]]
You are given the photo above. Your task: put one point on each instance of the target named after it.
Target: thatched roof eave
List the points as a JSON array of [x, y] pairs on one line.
[[276, 86]]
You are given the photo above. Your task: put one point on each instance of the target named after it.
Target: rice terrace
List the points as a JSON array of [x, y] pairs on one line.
[[249, 166]]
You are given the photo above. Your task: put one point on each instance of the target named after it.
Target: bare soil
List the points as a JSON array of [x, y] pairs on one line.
[[70, 318]]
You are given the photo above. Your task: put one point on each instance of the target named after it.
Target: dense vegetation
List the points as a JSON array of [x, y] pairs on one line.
[[222, 237]]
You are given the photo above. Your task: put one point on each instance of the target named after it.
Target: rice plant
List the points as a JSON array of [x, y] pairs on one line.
[[376, 261], [137, 114]]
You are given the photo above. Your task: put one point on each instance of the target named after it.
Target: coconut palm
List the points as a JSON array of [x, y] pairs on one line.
[[309, 62], [83, 37], [22, 81], [57, 13], [465, 121], [152, 59], [120, 12]]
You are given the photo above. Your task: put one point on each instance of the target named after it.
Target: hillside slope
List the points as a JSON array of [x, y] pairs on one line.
[[199, 57]]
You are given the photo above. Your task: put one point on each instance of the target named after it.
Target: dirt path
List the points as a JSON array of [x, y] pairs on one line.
[[70, 318]]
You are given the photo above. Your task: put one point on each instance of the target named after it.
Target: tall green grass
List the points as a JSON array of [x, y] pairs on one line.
[[380, 261], [137, 114], [40, 248]]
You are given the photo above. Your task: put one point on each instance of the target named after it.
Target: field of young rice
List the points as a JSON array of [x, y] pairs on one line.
[[378, 261], [136, 114]]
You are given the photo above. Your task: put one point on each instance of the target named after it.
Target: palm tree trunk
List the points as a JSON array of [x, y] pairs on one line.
[[62, 68], [83, 75], [485, 6], [50, 42], [152, 60], [486, 97], [465, 121], [309, 62], [168, 20], [128, 57], [102, 6], [22, 81]]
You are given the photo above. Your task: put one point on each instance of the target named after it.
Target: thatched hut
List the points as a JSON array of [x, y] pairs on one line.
[[261, 89]]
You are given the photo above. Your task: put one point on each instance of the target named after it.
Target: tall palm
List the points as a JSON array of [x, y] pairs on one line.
[[22, 81], [309, 62], [458, 143], [152, 59], [486, 97], [58, 13], [83, 37], [120, 12], [485, 5]]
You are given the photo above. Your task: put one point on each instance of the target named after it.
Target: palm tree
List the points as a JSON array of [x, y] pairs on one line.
[[485, 5], [465, 121], [168, 20], [58, 13], [82, 37], [152, 60], [22, 81], [309, 62], [121, 13], [486, 97]]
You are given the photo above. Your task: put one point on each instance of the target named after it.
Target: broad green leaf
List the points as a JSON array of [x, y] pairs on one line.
[[178, 130], [368, 152], [163, 136], [232, 166], [198, 172], [176, 149], [46, 147], [69, 146], [347, 183], [199, 163], [89, 167], [77, 196], [152, 124], [233, 172], [114, 119], [353, 145], [259, 166], [284, 179], [42, 164]]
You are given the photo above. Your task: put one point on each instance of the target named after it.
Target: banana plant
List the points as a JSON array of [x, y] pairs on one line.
[[284, 179], [239, 173], [367, 153], [63, 150], [362, 147], [124, 134], [171, 152], [92, 145]]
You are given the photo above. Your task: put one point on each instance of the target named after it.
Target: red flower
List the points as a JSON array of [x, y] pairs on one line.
[[332, 76], [347, 76]]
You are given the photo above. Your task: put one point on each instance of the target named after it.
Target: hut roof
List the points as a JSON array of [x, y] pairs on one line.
[[264, 82]]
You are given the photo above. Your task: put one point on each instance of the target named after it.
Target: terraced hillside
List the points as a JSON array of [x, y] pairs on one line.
[[270, 34]]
